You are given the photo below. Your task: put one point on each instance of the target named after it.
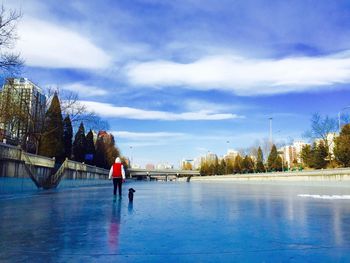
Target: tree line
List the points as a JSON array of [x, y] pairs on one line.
[[319, 154], [324, 152], [243, 164], [57, 140]]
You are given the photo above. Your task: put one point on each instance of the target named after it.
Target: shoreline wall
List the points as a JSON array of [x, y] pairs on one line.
[[342, 174], [270, 177], [16, 165]]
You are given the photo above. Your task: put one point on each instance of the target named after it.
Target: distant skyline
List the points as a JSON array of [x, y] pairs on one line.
[[176, 79]]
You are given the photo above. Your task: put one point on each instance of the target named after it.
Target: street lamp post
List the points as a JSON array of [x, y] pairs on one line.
[[226, 166], [347, 107], [130, 156], [270, 120]]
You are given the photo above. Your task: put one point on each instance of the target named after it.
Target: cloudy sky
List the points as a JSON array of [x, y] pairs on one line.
[[176, 79]]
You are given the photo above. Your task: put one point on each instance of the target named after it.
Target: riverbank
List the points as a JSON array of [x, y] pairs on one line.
[[327, 175]]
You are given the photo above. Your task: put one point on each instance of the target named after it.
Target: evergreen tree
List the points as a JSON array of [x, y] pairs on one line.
[[320, 154], [106, 151], [211, 169], [100, 157], [79, 144], [260, 168], [295, 163], [222, 167], [216, 165], [67, 137], [51, 141], [274, 162], [204, 168], [229, 166], [90, 148], [112, 151], [247, 165], [237, 166], [306, 156], [342, 146], [279, 162]]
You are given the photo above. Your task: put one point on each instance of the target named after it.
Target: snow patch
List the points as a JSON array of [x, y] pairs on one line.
[[341, 197]]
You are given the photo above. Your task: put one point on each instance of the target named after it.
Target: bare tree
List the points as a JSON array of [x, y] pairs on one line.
[[264, 144], [345, 119], [10, 63], [78, 112], [321, 128], [243, 151]]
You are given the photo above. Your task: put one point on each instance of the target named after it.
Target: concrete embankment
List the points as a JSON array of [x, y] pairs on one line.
[[333, 175], [21, 171]]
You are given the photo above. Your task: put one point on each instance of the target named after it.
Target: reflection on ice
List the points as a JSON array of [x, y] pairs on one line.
[[114, 226], [179, 222]]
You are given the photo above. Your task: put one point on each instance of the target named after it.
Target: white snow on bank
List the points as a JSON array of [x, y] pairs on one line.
[[326, 196]]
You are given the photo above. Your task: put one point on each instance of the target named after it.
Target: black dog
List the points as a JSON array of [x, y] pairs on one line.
[[131, 194]]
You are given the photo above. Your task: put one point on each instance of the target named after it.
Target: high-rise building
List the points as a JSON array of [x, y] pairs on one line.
[[22, 110], [106, 137], [231, 155], [291, 153], [164, 166], [187, 164], [211, 157], [150, 166], [197, 163]]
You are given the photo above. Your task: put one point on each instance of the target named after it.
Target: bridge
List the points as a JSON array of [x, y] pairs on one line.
[[165, 174]]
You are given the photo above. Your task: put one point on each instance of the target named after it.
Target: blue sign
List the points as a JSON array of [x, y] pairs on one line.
[[89, 157]]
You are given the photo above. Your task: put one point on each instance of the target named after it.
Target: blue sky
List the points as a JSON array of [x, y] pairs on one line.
[[176, 79]]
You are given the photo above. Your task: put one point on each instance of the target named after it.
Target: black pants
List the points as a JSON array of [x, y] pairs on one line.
[[117, 182]]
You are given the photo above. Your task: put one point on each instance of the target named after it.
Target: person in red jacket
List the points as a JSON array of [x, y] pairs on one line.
[[117, 173]]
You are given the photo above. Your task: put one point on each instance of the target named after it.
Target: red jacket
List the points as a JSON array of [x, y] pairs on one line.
[[117, 170]]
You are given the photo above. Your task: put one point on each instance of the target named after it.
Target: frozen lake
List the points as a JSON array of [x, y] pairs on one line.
[[179, 222]]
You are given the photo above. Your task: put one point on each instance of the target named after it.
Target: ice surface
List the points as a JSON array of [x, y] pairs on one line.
[[177, 222]]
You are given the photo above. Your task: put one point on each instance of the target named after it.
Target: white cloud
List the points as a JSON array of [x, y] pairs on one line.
[[245, 76], [140, 144], [197, 104], [85, 90], [148, 139], [109, 110], [43, 44], [146, 135]]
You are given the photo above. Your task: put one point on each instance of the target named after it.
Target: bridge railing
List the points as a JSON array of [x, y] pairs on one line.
[[16, 153], [38, 160], [164, 171], [17, 163], [10, 152]]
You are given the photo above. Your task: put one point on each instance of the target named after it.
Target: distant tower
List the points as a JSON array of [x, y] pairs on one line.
[[270, 138]]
